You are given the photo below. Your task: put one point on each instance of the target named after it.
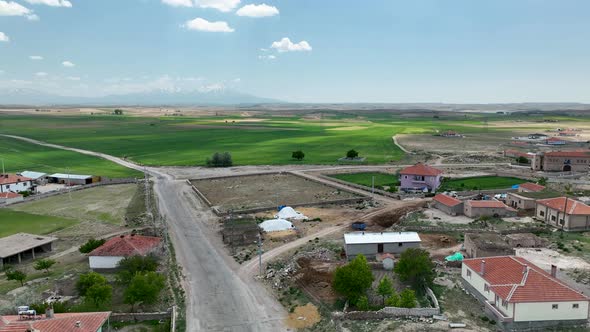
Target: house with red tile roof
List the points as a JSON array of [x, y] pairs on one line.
[[530, 187], [66, 322], [487, 208], [518, 294], [565, 213], [561, 161], [420, 177], [15, 183], [115, 249], [447, 204]]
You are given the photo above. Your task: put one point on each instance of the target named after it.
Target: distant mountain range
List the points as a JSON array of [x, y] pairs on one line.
[[31, 97]]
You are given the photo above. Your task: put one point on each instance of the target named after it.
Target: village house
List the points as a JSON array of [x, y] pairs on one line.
[[527, 200], [17, 247], [115, 249], [15, 183], [63, 322], [37, 177], [372, 244], [561, 161], [487, 208], [486, 245], [420, 177], [530, 187], [447, 204], [518, 294], [565, 213]]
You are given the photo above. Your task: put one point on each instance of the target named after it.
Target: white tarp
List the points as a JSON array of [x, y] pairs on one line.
[[274, 225], [289, 213]]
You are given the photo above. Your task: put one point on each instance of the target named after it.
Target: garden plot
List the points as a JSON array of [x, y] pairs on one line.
[[267, 192]]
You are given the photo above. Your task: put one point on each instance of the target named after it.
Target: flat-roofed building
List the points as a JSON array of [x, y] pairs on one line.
[[15, 248], [371, 244], [71, 179]]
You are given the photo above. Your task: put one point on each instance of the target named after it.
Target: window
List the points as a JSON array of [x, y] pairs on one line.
[[561, 221], [418, 178], [554, 306], [553, 218], [486, 288], [469, 273], [575, 306], [542, 213], [505, 304]]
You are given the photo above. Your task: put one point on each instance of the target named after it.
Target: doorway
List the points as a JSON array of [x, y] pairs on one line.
[[380, 248]]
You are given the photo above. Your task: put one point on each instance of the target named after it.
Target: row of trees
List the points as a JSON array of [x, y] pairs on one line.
[[354, 279], [225, 160], [299, 155]]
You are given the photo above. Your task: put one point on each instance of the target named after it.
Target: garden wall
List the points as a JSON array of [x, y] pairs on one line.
[[140, 316]]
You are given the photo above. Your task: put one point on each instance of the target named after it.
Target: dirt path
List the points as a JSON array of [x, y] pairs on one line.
[[400, 146]]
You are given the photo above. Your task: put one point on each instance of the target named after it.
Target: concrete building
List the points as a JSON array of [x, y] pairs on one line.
[[490, 208], [371, 244], [71, 179], [37, 177], [520, 201], [420, 177], [20, 246], [9, 198], [564, 213], [447, 204], [15, 183], [115, 249], [64, 322], [486, 245], [530, 187], [561, 161], [520, 295]]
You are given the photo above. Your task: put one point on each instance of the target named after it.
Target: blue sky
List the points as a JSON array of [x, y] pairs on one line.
[[338, 51]]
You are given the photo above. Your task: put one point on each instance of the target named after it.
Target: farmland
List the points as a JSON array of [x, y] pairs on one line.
[[12, 222], [366, 178], [480, 183], [19, 156]]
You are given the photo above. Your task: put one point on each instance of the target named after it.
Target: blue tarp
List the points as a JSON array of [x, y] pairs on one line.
[[515, 186]]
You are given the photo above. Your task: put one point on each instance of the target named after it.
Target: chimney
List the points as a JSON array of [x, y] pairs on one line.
[[524, 268], [49, 313], [553, 271], [78, 324], [483, 267]]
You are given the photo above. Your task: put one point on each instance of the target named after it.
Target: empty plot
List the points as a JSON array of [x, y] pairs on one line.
[[267, 191], [12, 222]]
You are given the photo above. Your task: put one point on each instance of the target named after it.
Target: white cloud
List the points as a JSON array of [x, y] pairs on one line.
[[204, 25], [41, 74], [262, 10], [221, 5], [286, 45], [267, 57], [33, 17], [11, 8], [52, 3], [178, 3], [73, 78], [4, 37], [68, 64], [35, 57]]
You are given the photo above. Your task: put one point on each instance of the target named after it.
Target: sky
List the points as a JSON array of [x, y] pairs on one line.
[[453, 51]]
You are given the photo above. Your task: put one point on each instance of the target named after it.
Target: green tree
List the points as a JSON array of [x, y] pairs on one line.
[[118, 112], [385, 288], [16, 275], [351, 154], [522, 160], [143, 288], [542, 181], [130, 266], [353, 279], [299, 155], [99, 294], [44, 264], [393, 300], [415, 267], [88, 280], [220, 160], [407, 298], [91, 245], [363, 303]]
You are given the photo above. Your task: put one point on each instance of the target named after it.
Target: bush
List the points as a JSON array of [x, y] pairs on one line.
[[299, 155], [353, 279], [351, 154], [522, 160], [362, 303], [415, 267], [91, 245], [220, 160], [44, 264], [88, 280], [393, 300], [130, 266], [407, 298]]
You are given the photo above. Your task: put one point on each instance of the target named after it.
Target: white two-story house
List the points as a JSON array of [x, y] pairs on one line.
[[518, 294], [15, 183]]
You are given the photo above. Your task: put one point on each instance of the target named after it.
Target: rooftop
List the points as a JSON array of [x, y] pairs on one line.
[[8, 178], [70, 176], [531, 186], [574, 154], [17, 243], [447, 200], [488, 240], [421, 169], [66, 322], [127, 245], [562, 203], [33, 175], [487, 204], [515, 280], [537, 194], [383, 237]]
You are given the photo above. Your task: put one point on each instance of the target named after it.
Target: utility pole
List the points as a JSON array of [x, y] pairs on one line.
[[69, 184], [259, 255], [564, 213], [373, 184]]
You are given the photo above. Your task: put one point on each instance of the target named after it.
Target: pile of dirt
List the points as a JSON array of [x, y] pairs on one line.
[[303, 317], [393, 216]]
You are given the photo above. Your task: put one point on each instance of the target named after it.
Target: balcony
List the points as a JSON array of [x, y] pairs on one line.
[[499, 315]]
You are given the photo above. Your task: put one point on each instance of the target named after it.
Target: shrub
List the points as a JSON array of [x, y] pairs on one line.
[[220, 160], [299, 155], [44, 264], [415, 267], [130, 266], [407, 298], [353, 279], [88, 280], [393, 300], [351, 154], [91, 245], [362, 303]]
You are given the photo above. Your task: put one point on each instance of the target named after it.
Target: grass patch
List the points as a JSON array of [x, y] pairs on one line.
[[20, 156], [366, 178], [480, 183], [12, 222]]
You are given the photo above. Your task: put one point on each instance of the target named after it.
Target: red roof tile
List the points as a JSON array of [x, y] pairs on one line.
[[127, 245], [66, 322], [581, 154], [13, 178], [9, 195], [555, 139], [508, 279], [532, 186], [446, 200], [559, 203], [421, 169]]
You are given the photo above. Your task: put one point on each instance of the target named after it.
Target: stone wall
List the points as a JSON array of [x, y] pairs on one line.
[[140, 316]]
